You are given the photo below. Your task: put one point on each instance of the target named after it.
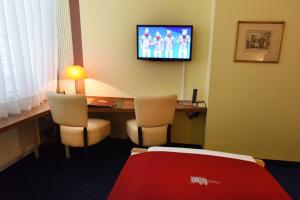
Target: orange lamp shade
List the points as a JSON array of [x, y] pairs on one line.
[[75, 72]]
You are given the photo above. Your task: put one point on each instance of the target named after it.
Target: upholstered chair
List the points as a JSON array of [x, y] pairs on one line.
[[154, 118], [70, 113]]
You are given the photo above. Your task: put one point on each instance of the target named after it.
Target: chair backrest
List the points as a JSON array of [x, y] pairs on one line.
[[155, 111], [68, 110]]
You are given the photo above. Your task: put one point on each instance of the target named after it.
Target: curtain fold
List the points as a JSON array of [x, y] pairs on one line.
[[28, 53]]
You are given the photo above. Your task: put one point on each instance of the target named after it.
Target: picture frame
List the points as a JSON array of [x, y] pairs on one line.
[[258, 41]]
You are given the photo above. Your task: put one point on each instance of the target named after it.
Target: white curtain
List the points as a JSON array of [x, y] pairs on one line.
[[28, 53]]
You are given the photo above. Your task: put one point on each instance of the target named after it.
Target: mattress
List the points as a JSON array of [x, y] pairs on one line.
[[173, 174]]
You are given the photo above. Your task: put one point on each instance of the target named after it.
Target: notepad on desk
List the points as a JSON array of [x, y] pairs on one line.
[[102, 103]]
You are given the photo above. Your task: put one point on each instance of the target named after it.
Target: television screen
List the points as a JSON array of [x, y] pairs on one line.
[[164, 42]]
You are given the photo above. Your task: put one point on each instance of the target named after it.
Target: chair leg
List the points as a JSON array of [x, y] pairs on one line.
[[85, 140], [67, 151], [169, 134], [107, 145], [140, 136], [57, 148]]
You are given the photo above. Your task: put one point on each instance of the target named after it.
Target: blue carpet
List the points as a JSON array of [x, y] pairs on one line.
[[33, 178], [287, 174]]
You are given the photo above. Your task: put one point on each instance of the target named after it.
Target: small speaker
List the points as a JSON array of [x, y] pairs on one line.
[[194, 97]]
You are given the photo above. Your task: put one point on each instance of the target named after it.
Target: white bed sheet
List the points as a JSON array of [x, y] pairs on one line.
[[203, 152]]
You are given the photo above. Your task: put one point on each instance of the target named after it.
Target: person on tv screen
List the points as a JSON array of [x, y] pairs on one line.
[[183, 40], [169, 40], [146, 43], [158, 45]]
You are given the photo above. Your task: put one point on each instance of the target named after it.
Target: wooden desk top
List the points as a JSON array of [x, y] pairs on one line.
[[13, 120], [123, 105], [127, 105]]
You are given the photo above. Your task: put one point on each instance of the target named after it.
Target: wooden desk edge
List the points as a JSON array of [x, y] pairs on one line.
[[179, 107], [13, 120], [43, 109]]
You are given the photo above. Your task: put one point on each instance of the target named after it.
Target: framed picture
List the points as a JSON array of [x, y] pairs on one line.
[[258, 41]]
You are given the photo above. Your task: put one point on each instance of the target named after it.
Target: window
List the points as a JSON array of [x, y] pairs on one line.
[[28, 53]]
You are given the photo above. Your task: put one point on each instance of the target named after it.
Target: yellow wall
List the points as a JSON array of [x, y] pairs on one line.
[[109, 47], [254, 108], [109, 52]]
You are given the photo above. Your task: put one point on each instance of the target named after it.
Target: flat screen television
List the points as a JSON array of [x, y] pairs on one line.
[[164, 42]]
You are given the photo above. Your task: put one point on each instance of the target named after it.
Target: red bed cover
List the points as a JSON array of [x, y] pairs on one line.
[[168, 175]]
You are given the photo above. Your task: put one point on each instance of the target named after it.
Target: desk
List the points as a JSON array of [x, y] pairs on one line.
[[27, 128], [14, 120], [184, 130], [126, 106]]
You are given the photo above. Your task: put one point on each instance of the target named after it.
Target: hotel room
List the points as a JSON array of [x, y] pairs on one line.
[[91, 108]]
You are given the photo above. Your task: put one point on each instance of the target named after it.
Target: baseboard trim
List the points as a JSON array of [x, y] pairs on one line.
[[193, 146], [282, 163], [5, 166]]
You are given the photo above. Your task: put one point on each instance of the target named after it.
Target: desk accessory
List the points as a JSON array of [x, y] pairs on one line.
[[194, 97], [102, 103], [75, 72]]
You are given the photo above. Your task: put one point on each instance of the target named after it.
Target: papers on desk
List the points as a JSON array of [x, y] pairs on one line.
[[102, 103]]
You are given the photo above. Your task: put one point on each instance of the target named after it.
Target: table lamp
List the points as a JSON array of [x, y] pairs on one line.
[[75, 72]]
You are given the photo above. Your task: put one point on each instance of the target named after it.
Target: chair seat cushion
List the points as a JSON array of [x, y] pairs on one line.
[[152, 136], [97, 129]]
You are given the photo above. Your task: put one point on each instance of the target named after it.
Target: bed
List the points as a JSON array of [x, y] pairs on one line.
[[180, 173]]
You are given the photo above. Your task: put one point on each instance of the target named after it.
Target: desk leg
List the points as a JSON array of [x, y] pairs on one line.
[[36, 148]]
